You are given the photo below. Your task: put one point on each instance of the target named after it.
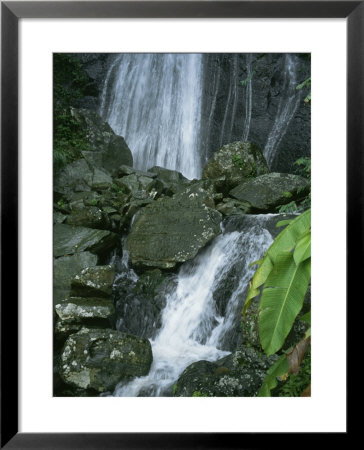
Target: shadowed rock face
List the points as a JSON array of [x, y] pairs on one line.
[[268, 191], [172, 230], [65, 268], [69, 240], [98, 359]]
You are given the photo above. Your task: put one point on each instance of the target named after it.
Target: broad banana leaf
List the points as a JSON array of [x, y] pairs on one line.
[[284, 242], [282, 300], [303, 249]]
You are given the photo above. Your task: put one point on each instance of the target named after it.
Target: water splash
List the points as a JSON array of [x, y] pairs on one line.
[[154, 102]]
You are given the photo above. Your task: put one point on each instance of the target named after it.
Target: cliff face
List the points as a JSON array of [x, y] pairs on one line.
[[253, 97]]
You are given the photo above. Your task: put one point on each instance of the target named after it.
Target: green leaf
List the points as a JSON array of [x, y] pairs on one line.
[[306, 318], [282, 223], [305, 83], [255, 263], [303, 249], [284, 242], [279, 368], [308, 98], [282, 300]]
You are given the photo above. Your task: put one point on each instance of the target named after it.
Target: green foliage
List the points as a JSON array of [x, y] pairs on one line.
[[174, 389], [274, 373], [247, 79], [305, 84], [303, 167], [295, 384], [70, 83], [238, 161], [198, 394], [118, 189], [283, 274], [289, 208]]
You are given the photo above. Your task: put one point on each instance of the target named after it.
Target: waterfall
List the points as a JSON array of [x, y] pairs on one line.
[[289, 101], [154, 102], [232, 98], [248, 98], [195, 324]]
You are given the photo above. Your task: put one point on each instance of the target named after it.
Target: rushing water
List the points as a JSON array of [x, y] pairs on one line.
[[288, 103], [194, 325], [154, 101], [248, 98]]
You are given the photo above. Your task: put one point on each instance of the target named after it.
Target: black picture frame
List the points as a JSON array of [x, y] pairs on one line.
[[11, 12]]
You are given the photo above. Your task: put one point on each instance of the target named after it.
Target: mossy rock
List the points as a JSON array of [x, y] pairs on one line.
[[99, 359], [234, 163], [172, 230], [266, 192], [94, 281]]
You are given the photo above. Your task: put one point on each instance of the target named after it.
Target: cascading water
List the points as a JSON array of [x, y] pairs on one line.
[[248, 98], [287, 107], [154, 102], [196, 324]]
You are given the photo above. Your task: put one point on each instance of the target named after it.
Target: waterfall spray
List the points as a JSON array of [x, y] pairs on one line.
[[154, 102]]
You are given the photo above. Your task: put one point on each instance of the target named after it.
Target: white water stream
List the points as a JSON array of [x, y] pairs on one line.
[[289, 101], [192, 330], [154, 102]]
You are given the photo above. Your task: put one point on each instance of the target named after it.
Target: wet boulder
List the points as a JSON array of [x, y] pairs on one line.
[[94, 281], [65, 268], [168, 175], [99, 359], [234, 163], [171, 181], [81, 309], [231, 207], [112, 150], [68, 240], [140, 303], [90, 216], [240, 374], [266, 192], [172, 230], [124, 170]]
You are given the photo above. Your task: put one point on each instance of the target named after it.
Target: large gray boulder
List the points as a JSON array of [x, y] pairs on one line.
[[240, 374], [234, 163], [172, 230], [68, 240], [65, 268], [268, 191], [99, 359]]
